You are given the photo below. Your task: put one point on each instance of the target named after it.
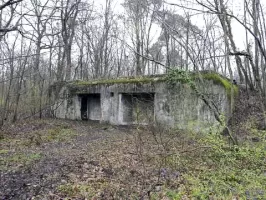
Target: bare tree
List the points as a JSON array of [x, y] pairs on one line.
[[141, 15], [7, 17], [69, 13]]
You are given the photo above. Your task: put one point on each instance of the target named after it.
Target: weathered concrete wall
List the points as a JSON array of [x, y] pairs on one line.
[[179, 106]]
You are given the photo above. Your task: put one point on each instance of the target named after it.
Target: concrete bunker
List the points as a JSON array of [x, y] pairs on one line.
[[91, 107], [144, 100], [137, 108]]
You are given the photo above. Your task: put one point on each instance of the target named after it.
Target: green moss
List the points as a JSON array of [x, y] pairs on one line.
[[218, 79], [119, 81], [185, 77], [173, 75]]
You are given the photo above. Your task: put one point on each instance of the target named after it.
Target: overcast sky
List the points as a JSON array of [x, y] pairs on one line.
[[235, 5]]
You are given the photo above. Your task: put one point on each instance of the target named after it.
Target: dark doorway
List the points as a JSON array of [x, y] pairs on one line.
[[91, 107], [84, 107]]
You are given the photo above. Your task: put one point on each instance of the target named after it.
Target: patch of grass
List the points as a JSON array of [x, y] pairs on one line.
[[18, 159], [83, 190], [3, 151], [75, 190], [172, 194], [14, 143], [58, 134], [97, 189]]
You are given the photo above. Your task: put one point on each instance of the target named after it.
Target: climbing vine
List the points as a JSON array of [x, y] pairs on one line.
[[179, 76]]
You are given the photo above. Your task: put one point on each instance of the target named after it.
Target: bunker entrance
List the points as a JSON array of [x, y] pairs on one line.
[[91, 107], [84, 107], [137, 108]]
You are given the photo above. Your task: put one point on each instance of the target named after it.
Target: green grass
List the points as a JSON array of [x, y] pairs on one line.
[[84, 190], [17, 159], [3, 151], [58, 134]]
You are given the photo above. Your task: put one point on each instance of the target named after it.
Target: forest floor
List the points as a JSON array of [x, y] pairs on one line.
[[62, 159]]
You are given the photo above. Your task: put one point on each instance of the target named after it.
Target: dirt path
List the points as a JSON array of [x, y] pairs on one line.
[[38, 159]]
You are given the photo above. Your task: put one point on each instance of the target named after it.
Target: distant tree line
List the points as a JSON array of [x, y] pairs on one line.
[[46, 41]]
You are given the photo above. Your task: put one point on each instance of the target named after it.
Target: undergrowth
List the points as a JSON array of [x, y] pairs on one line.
[[191, 165], [151, 163], [219, 170]]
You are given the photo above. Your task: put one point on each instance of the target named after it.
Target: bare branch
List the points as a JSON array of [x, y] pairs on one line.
[[9, 3]]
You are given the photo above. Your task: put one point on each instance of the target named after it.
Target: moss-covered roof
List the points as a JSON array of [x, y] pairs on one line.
[[206, 75], [125, 80], [220, 80]]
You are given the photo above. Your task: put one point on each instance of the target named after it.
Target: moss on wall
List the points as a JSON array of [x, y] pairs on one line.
[[184, 77], [219, 80]]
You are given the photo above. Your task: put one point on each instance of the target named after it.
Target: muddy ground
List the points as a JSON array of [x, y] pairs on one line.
[[55, 159]]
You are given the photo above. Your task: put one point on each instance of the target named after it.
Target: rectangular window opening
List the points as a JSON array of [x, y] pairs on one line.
[[137, 108]]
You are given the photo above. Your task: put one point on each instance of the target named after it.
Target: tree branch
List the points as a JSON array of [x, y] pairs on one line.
[[5, 30], [9, 3]]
